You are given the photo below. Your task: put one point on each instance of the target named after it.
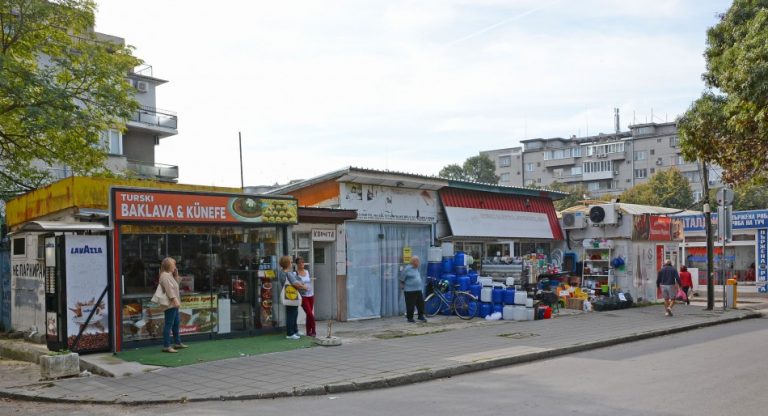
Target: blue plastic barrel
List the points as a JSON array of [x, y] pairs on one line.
[[497, 307], [475, 289], [509, 296], [472, 308], [447, 264], [463, 283], [472, 277], [459, 259], [460, 270], [434, 269], [497, 296], [485, 309], [451, 278]]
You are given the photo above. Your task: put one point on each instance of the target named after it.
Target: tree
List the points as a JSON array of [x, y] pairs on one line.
[[667, 188], [477, 169], [749, 196], [737, 62], [60, 86], [576, 194]]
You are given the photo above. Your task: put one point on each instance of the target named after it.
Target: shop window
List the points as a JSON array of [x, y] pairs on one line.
[[20, 246]]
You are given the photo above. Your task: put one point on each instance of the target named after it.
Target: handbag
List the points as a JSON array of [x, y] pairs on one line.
[[160, 297], [681, 295], [290, 296]]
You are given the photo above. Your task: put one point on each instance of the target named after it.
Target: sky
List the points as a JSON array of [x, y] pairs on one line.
[[408, 86]]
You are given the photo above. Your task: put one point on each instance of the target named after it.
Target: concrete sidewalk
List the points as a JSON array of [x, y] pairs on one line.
[[382, 353]]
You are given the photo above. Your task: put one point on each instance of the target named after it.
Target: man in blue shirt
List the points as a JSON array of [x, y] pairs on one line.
[[668, 281], [410, 281]]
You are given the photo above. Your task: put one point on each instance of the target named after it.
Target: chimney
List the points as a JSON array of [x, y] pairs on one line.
[[616, 120]]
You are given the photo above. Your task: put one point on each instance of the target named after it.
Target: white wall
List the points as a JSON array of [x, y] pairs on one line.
[[27, 291]]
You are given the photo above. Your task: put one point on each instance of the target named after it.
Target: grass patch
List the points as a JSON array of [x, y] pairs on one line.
[[220, 349]]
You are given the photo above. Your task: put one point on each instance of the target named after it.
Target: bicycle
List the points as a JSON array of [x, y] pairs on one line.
[[459, 302]]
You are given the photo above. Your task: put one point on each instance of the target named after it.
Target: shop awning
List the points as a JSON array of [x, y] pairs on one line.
[[493, 215], [50, 226]]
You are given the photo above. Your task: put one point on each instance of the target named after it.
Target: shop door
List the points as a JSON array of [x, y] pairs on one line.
[[324, 272], [242, 298]]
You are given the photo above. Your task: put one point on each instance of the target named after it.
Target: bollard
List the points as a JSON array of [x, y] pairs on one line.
[[731, 294]]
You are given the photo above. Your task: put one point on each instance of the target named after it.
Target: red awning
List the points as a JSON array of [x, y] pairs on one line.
[[461, 204]]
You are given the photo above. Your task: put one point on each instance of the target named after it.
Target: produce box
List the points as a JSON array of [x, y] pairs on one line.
[[575, 303]]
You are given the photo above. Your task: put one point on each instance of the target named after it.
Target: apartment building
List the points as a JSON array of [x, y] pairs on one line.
[[606, 164], [133, 151]]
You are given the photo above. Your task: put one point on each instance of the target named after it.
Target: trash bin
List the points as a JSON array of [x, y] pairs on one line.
[[731, 295]]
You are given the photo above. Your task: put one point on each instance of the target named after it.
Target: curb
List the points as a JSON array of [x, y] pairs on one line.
[[402, 379]]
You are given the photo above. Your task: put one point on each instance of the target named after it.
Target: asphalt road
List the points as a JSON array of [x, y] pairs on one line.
[[719, 370]]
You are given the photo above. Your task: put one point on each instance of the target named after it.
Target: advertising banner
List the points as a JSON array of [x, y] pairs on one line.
[[762, 254], [648, 227], [383, 203], [165, 206], [740, 220], [86, 272]]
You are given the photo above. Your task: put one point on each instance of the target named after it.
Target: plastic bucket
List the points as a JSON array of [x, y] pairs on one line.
[[435, 254], [460, 259], [447, 264], [447, 249], [434, 269], [547, 311], [463, 283], [509, 296], [475, 289], [460, 270], [497, 295], [485, 309]]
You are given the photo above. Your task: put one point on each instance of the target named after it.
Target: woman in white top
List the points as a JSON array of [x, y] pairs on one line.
[[307, 296]]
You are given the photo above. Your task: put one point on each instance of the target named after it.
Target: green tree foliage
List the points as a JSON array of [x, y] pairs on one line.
[[60, 86], [477, 169], [749, 196], [576, 195], [730, 129], [667, 188]]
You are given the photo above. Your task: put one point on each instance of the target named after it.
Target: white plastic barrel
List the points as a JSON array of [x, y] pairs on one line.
[[434, 255], [528, 302], [486, 294], [447, 249], [485, 281], [518, 313], [529, 312], [521, 298], [508, 313]]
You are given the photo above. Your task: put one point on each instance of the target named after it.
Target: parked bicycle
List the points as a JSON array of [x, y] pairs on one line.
[[443, 297]]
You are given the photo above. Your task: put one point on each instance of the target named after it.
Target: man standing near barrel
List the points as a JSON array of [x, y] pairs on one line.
[[410, 281]]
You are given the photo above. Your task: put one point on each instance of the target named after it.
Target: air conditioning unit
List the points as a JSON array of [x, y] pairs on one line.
[[603, 214], [142, 86], [658, 161], [616, 173], [574, 220]]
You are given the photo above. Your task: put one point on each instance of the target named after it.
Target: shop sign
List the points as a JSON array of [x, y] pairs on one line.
[[384, 203], [762, 254], [407, 254], [323, 235], [86, 270], [740, 220], [168, 206], [198, 313], [648, 227]]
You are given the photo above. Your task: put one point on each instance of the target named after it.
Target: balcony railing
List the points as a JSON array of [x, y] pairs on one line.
[[156, 117], [157, 171]]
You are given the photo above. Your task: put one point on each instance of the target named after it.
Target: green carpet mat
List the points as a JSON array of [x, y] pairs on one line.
[[202, 351]]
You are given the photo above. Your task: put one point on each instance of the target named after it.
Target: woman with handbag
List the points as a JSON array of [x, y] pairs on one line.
[[290, 297], [307, 296], [169, 283]]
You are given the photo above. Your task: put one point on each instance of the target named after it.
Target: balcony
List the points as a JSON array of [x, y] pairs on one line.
[[157, 171], [567, 161], [156, 120]]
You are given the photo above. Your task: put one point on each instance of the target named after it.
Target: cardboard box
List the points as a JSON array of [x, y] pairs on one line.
[[574, 303]]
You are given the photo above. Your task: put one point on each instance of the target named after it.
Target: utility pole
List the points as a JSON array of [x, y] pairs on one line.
[[240, 142], [710, 244]]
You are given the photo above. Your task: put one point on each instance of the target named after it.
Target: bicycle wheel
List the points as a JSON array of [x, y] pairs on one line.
[[433, 304], [465, 305]]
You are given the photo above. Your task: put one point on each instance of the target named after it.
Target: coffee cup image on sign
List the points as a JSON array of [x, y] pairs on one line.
[[246, 207]]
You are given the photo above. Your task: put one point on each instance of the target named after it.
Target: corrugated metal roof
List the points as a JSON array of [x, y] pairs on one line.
[[634, 209], [502, 202]]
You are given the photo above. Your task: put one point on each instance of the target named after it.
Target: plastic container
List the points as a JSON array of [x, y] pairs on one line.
[[460, 259], [472, 277], [486, 294], [508, 313], [547, 311], [475, 289], [485, 309], [485, 281], [518, 313], [497, 307], [434, 269], [451, 278], [498, 295], [509, 296], [529, 314], [447, 249], [435, 255], [528, 302], [472, 307], [520, 297], [460, 270], [463, 283], [447, 264]]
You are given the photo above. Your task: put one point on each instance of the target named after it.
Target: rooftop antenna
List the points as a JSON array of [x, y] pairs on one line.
[[616, 120]]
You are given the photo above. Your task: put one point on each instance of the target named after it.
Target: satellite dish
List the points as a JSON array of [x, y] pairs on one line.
[[596, 214]]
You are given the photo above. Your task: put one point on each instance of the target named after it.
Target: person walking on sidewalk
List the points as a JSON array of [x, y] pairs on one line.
[[686, 281], [410, 281], [307, 297], [287, 276], [169, 280], [667, 281]]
